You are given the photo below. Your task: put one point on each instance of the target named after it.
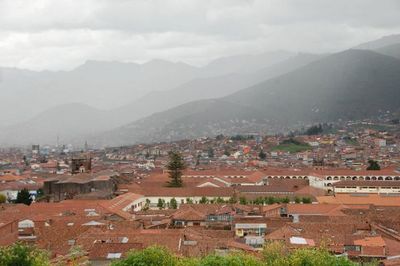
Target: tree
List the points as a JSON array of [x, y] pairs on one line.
[[316, 256], [232, 200], [220, 200], [203, 200], [273, 253], [270, 200], [234, 259], [3, 198], [189, 201], [297, 200], [227, 153], [24, 197], [259, 201], [262, 155], [210, 152], [306, 200], [291, 141], [23, 255], [175, 167], [76, 256], [285, 200], [373, 165], [152, 256], [161, 204], [25, 160], [146, 205], [314, 130], [173, 204], [243, 200], [39, 194], [276, 253], [220, 137]]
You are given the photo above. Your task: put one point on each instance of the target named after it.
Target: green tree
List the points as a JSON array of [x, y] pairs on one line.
[[146, 205], [3, 198], [203, 200], [232, 200], [262, 155], [316, 256], [285, 200], [297, 200], [152, 256], [306, 200], [233, 259], [20, 254], [173, 204], [189, 201], [270, 200], [76, 256], [275, 253], [373, 165], [161, 204], [220, 200], [243, 200], [24, 197], [259, 201], [175, 167]]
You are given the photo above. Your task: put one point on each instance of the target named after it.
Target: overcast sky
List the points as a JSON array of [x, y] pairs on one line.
[[61, 34]]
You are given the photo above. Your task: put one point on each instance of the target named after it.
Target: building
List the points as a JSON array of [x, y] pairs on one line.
[[67, 187], [81, 164], [363, 187]]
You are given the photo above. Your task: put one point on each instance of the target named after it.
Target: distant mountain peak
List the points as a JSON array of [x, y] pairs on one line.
[[379, 43], [165, 63]]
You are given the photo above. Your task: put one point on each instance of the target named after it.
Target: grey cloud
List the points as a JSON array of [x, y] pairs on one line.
[[62, 34]]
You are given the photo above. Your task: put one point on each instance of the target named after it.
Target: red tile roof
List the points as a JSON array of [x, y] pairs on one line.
[[366, 199]]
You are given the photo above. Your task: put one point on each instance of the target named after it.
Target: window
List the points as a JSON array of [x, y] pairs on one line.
[[114, 255], [352, 248]]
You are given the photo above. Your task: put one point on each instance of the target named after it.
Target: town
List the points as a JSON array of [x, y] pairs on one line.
[[336, 186]]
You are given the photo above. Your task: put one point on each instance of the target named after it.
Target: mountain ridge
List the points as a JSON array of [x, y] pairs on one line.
[[352, 84]]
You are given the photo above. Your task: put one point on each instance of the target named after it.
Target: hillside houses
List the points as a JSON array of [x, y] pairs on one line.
[[231, 199]]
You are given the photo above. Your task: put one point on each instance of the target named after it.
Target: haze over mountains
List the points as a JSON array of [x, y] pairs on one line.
[[349, 85], [108, 85], [269, 92]]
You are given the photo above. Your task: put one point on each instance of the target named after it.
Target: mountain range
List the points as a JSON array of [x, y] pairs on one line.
[[108, 85], [160, 100], [349, 85]]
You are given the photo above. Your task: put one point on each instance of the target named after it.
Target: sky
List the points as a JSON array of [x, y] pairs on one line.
[[62, 34]]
